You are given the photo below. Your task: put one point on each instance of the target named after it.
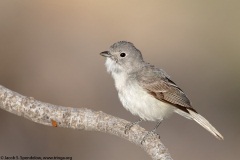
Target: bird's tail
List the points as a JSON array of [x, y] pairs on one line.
[[205, 124]]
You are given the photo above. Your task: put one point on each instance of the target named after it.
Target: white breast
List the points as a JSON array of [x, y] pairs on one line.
[[135, 99]]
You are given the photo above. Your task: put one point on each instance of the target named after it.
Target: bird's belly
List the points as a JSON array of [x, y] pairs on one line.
[[139, 102]]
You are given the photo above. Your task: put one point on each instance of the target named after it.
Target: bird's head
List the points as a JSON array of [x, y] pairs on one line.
[[122, 56]]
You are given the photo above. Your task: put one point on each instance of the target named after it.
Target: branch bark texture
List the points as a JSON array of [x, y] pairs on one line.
[[80, 118]]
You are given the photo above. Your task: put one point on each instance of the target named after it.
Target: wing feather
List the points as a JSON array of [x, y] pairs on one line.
[[156, 83], [159, 85]]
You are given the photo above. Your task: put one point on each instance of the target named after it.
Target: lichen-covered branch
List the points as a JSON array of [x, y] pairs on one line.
[[80, 118]]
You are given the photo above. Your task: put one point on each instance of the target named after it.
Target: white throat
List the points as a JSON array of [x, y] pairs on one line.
[[117, 73]]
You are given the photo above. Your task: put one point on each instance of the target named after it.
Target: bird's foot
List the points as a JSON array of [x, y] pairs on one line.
[[150, 133], [129, 126]]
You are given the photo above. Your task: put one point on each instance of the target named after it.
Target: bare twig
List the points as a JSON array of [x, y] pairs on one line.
[[80, 118]]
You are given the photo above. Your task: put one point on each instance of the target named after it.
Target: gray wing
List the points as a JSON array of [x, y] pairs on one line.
[[159, 85]]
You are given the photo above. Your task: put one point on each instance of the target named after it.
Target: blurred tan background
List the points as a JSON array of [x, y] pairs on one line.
[[49, 49]]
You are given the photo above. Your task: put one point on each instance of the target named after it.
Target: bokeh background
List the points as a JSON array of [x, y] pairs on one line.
[[49, 50]]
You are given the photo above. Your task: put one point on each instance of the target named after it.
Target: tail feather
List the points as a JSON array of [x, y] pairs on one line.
[[205, 124]]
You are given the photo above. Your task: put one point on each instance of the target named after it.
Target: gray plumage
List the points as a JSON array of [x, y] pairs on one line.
[[146, 90]]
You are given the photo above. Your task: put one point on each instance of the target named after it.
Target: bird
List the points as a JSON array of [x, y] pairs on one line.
[[147, 91]]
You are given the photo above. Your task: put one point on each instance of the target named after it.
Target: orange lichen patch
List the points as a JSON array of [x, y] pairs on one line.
[[54, 123]]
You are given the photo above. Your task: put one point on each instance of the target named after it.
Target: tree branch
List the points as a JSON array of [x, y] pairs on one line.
[[80, 118]]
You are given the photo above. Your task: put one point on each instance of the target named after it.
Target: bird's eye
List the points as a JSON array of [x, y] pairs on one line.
[[122, 54]]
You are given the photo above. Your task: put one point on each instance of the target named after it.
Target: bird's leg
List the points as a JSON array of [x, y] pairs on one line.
[[152, 132], [129, 126]]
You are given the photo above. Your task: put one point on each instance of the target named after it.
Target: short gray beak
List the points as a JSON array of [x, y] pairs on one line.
[[105, 54]]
